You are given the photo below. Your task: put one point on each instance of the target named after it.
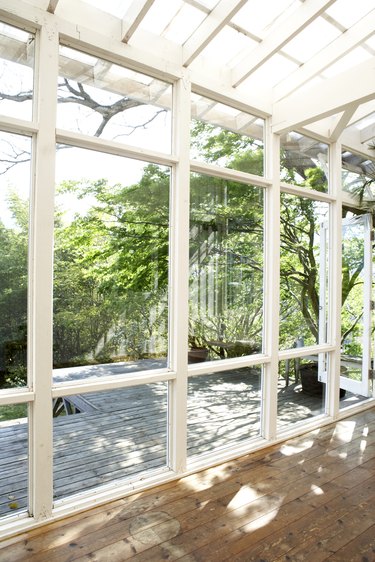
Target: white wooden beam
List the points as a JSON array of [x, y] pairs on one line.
[[279, 36], [211, 25], [347, 41], [342, 122], [52, 5], [326, 98], [368, 133], [133, 17]]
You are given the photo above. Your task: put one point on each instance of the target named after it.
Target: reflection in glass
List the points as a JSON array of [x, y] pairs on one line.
[[110, 268], [16, 71], [226, 269], [15, 154], [304, 161], [113, 102], [301, 389], [358, 173], [223, 409], [13, 459], [303, 271], [226, 136], [110, 435]]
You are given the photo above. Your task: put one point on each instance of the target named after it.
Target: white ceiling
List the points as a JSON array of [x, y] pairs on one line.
[[308, 63]]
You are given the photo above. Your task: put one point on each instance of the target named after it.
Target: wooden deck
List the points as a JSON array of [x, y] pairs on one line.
[[123, 433], [309, 499]]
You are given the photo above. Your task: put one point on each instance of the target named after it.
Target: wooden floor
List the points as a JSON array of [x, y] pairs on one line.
[[123, 433], [311, 498]]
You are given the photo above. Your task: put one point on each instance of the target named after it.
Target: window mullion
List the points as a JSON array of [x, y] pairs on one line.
[[41, 275]]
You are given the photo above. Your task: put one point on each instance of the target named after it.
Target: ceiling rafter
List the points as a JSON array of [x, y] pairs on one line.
[[326, 98], [52, 5], [368, 133], [209, 28], [279, 36], [343, 122], [133, 17], [349, 40]]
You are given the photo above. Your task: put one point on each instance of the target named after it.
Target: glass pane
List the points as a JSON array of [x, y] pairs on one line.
[[13, 459], [226, 136], [304, 161], [106, 436], [223, 409], [110, 266], [113, 102], [356, 296], [15, 154], [358, 176], [16, 71], [303, 271], [226, 268], [301, 389]]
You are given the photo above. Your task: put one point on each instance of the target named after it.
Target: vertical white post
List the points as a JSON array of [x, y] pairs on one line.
[[179, 278], [41, 265], [335, 281], [271, 286]]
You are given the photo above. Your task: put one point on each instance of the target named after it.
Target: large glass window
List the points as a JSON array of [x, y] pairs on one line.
[[110, 265], [223, 409], [303, 271], [13, 459], [226, 269], [226, 136], [304, 161], [106, 100], [107, 436], [16, 71], [15, 155]]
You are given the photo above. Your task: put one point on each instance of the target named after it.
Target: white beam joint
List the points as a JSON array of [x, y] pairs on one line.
[[278, 37], [332, 96]]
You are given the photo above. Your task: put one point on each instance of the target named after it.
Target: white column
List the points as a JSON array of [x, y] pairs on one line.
[[271, 285], [335, 281], [41, 265], [179, 278]]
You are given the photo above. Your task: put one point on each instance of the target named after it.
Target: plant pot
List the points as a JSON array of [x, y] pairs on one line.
[[197, 354], [310, 383]]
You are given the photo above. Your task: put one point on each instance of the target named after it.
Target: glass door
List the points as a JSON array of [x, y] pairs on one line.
[[356, 304]]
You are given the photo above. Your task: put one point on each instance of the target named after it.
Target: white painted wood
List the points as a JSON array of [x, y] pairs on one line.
[[41, 279], [333, 95], [228, 364], [300, 352], [179, 277], [349, 40], [16, 396], [367, 134], [335, 281], [209, 28], [113, 147], [305, 192], [277, 37], [134, 16], [227, 173], [52, 5], [14, 125], [110, 383], [271, 287], [343, 122]]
